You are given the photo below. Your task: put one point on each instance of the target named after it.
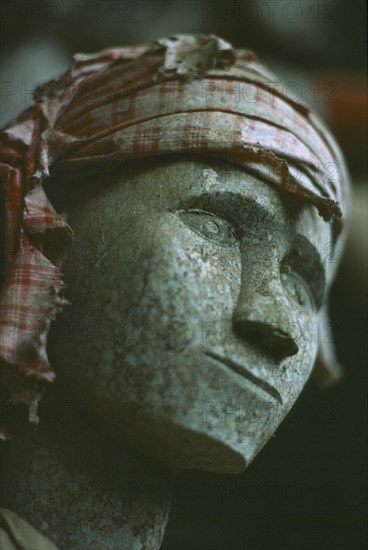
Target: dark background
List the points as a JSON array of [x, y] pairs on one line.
[[307, 488]]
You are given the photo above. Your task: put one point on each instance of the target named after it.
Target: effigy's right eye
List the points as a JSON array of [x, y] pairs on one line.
[[210, 226]]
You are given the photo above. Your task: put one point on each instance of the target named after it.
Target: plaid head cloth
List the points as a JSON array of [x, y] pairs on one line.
[[180, 94]]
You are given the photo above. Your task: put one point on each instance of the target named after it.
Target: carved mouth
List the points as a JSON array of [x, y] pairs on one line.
[[270, 390]]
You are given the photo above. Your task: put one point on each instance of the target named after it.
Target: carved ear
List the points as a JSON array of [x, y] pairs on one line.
[[327, 369]]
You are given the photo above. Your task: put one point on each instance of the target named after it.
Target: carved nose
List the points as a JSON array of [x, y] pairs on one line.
[[262, 315], [274, 341]]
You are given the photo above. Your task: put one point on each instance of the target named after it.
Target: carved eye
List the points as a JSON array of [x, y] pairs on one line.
[[296, 287], [210, 226]]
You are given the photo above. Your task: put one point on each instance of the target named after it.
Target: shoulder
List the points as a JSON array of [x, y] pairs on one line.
[[18, 534]]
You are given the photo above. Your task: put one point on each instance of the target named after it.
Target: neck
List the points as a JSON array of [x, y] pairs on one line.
[[83, 489]]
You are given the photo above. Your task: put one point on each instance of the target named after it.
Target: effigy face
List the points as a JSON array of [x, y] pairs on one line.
[[194, 289]]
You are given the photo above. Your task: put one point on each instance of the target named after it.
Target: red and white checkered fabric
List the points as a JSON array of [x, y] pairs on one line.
[[185, 93]]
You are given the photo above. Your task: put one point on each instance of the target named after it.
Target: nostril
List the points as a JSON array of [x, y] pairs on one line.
[[276, 342], [284, 345]]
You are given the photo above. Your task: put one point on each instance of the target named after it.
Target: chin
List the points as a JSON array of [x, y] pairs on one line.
[[209, 448], [203, 418]]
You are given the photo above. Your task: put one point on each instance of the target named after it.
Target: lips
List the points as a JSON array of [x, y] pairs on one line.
[[242, 371]]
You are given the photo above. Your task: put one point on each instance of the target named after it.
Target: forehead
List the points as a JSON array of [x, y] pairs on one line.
[[177, 178], [169, 182]]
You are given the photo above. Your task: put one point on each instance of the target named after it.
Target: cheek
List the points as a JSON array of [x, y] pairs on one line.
[[295, 371], [151, 310], [190, 281]]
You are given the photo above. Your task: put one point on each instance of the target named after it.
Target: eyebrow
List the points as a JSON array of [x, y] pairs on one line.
[[307, 243], [312, 262], [217, 192]]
